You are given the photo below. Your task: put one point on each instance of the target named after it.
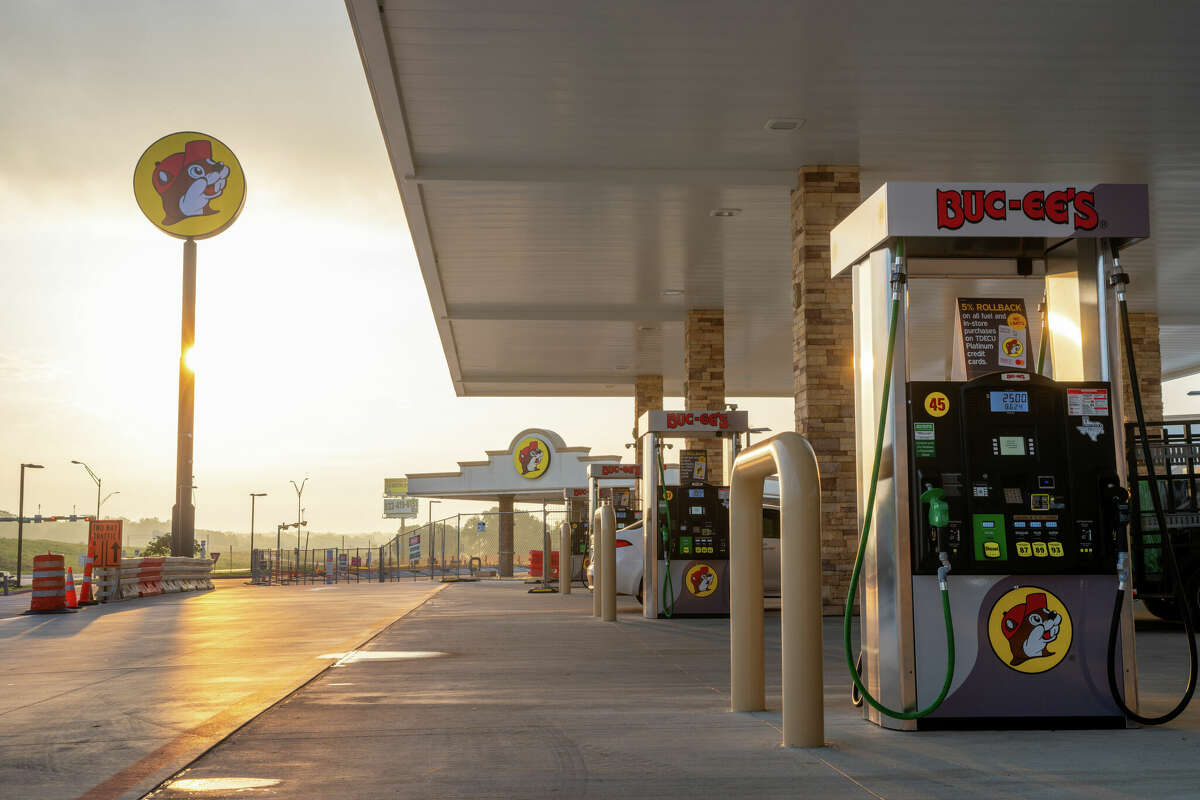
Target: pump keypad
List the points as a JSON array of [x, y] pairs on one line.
[[1022, 491]]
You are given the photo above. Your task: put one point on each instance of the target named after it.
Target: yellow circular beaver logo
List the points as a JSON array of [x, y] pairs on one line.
[[189, 185], [701, 580], [1030, 629], [532, 457], [1013, 347]]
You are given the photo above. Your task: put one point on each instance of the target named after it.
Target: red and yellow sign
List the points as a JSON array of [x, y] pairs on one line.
[[189, 185], [1030, 629], [531, 457], [701, 580], [937, 404], [104, 542]]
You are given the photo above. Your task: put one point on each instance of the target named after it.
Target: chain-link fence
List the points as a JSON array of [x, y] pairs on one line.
[[503, 544], [461, 545]]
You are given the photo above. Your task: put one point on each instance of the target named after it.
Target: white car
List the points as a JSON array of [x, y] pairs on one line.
[[630, 561]]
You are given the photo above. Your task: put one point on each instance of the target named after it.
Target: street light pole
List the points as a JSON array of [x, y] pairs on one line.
[[299, 491], [110, 494], [96, 478], [21, 517]]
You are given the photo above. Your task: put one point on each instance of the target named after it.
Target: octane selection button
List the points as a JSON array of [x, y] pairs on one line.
[[1039, 549], [1024, 550]]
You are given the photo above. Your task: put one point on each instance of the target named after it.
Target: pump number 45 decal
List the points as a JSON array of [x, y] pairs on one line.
[[937, 404]]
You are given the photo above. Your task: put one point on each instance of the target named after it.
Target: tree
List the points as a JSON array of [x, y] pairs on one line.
[[161, 546]]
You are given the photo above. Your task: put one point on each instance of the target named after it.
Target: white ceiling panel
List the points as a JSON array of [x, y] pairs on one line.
[[561, 157]]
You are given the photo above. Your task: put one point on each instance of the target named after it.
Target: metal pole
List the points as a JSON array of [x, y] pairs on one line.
[[458, 545], [605, 522], [789, 456], [443, 548], [545, 549], [97, 498], [183, 514], [20, 524], [564, 557]]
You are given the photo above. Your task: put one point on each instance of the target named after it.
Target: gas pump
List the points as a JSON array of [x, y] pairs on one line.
[[686, 526], [990, 492], [617, 481]]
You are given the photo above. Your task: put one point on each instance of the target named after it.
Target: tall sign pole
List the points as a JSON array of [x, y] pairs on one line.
[[183, 512], [190, 186]]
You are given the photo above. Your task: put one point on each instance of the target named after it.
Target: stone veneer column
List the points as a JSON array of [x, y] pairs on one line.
[[822, 365], [1143, 329], [704, 377], [647, 396], [505, 503]]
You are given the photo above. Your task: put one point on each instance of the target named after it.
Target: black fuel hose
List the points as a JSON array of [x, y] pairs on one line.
[[1168, 540]]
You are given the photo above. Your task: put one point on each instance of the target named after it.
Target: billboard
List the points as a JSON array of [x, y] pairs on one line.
[[395, 487], [400, 507]]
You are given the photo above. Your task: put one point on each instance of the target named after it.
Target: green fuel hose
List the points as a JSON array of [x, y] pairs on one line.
[[667, 596], [866, 531]]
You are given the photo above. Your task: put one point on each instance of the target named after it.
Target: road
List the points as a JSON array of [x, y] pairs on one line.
[[107, 702]]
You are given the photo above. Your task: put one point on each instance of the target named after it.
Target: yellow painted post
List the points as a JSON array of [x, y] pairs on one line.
[[605, 524], [564, 559], [789, 456]]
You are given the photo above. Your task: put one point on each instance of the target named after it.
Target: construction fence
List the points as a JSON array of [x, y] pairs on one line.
[[461, 545]]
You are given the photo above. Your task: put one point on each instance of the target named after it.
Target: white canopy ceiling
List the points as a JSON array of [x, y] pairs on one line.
[[559, 160]]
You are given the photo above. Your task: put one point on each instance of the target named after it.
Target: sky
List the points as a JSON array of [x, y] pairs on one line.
[[317, 350]]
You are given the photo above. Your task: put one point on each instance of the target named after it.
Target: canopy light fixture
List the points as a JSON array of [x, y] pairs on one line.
[[724, 212], [1194, 393], [672, 292], [784, 124]]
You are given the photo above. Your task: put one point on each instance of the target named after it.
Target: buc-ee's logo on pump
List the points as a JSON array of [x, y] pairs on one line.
[[701, 580], [532, 457], [1030, 629], [1068, 206]]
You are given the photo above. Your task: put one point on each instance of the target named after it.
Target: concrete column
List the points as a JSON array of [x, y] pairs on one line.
[[822, 365], [704, 377], [647, 396], [505, 502], [1148, 360]]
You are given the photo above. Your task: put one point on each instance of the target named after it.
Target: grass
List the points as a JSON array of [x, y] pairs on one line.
[[38, 547]]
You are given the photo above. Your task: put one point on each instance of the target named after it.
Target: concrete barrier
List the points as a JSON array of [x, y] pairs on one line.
[[144, 577]]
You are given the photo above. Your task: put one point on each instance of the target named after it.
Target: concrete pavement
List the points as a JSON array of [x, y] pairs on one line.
[[487, 691], [108, 702]]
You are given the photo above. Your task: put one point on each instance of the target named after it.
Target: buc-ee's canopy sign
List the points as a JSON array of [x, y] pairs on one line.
[[1052, 211]]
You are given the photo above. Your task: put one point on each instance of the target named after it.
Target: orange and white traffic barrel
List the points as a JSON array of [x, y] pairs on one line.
[[49, 595]]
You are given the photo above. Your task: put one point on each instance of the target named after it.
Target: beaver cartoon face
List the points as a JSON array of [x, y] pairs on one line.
[[188, 181], [1030, 628], [702, 581], [531, 457]]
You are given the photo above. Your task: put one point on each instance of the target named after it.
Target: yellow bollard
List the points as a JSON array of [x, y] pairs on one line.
[[605, 524], [564, 559], [789, 456]]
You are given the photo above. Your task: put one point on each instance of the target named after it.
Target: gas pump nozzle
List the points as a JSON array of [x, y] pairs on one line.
[[1114, 499], [939, 518]]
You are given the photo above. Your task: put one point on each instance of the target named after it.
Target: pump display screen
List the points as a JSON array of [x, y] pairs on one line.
[[1009, 402], [696, 511], [1012, 445]]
